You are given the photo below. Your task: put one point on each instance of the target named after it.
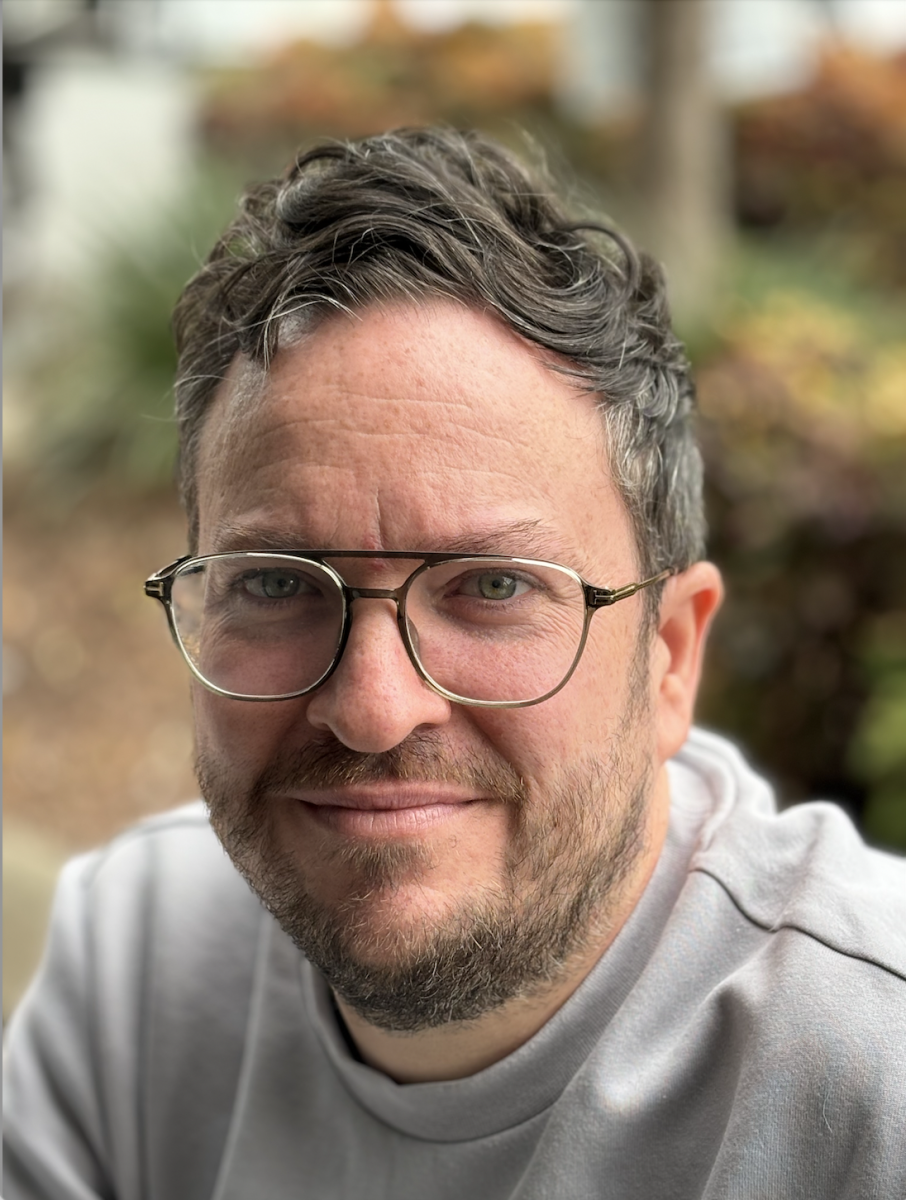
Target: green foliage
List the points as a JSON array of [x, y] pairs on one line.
[[878, 750], [102, 389], [804, 429]]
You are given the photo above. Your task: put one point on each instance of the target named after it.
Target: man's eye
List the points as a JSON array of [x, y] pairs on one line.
[[493, 585], [273, 585]]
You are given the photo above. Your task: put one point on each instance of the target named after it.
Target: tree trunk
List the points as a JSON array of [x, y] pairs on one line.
[[683, 156]]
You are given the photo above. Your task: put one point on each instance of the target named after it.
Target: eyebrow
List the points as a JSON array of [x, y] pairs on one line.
[[531, 538], [526, 539]]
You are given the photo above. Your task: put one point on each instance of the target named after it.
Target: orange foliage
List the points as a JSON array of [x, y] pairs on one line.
[[396, 75], [838, 144]]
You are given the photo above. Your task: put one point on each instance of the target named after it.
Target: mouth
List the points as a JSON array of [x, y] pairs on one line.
[[387, 809]]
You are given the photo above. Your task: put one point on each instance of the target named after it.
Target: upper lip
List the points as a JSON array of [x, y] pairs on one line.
[[392, 794]]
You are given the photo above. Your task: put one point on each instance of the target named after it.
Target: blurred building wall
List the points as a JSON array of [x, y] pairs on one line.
[[102, 140]]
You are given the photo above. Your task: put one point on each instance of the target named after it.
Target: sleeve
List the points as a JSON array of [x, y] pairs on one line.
[[56, 1136]]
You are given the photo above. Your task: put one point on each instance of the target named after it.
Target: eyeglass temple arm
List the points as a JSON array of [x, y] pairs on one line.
[[596, 597], [156, 586]]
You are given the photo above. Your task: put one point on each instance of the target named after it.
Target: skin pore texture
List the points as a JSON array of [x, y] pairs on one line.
[[454, 872]]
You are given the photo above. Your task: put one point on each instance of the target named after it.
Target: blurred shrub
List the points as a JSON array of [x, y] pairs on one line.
[[100, 391], [878, 750], [500, 78], [395, 75], [804, 429], [833, 154]]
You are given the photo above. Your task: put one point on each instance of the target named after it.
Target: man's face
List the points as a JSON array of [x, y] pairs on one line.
[[426, 428]]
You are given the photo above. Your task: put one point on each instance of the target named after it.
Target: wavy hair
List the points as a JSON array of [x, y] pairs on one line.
[[420, 213]]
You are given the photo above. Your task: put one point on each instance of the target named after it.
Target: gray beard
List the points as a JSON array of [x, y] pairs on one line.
[[571, 851]]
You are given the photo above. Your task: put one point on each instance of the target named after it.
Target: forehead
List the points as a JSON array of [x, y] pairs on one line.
[[403, 427]]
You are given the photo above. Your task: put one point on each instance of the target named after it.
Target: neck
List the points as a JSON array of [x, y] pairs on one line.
[[460, 1049]]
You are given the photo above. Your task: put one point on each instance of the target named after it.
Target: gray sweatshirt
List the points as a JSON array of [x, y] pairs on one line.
[[743, 1038]]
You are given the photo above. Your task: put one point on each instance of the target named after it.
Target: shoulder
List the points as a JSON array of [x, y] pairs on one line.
[[155, 904], [158, 843], [812, 923], [174, 856], [142, 913], [140, 1007], [804, 870], [795, 930]]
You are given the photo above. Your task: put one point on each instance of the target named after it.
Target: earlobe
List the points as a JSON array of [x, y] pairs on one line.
[[688, 605]]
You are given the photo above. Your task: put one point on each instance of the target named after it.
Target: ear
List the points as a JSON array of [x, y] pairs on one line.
[[688, 605]]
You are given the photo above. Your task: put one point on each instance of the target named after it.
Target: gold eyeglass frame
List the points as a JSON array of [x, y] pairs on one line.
[[159, 586]]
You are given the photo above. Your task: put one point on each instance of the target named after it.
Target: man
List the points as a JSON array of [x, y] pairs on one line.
[[512, 931]]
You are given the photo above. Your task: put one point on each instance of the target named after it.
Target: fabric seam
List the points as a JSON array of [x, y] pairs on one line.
[[768, 928]]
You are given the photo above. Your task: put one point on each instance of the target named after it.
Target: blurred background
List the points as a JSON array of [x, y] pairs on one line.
[[757, 147]]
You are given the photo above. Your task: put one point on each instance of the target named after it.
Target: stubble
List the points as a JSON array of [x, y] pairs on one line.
[[571, 851]]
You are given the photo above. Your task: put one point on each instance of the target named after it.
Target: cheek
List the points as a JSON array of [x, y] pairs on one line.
[[579, 720], [242, 735], [539, 741]]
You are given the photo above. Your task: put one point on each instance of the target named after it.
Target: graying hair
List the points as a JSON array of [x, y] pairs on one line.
[[421, 213]]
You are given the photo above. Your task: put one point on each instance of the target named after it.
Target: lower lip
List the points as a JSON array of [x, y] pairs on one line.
[[385, 822]]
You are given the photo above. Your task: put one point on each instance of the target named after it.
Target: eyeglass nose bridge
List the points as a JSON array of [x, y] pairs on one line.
[[398, 596], [408, 634], [374, 594]]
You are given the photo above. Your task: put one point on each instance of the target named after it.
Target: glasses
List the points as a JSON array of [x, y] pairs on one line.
[[484, 630]]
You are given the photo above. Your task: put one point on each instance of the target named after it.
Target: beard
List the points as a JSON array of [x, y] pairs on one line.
[[572, 847]]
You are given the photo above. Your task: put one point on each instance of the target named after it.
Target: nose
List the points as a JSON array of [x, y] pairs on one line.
[[375, 698]]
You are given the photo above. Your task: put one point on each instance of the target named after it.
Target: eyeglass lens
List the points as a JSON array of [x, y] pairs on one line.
[[269, 625]]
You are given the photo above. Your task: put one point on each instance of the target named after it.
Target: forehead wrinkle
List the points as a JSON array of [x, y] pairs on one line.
[[239, 392], [424, 417], [248, 385]]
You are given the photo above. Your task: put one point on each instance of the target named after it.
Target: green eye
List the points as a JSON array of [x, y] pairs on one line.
[[274, 585], [497, 586]]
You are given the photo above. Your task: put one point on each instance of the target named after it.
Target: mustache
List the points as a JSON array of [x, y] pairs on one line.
[[327, 764]]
